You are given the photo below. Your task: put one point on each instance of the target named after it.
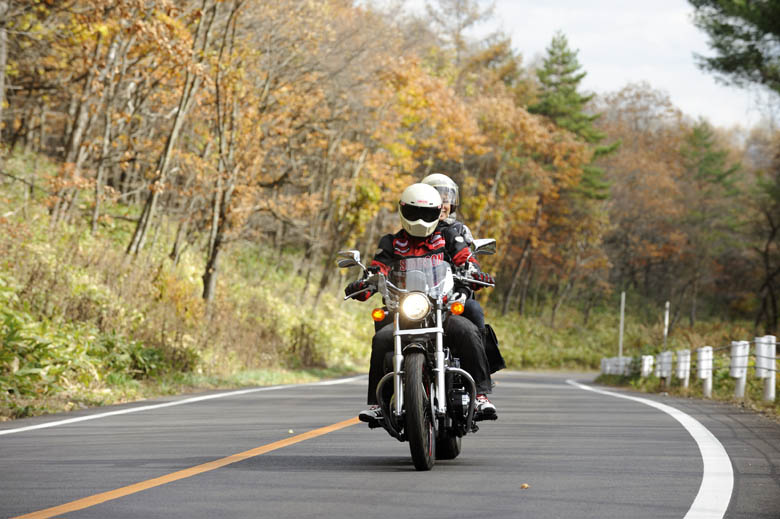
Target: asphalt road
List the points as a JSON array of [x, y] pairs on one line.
[[582, 454]]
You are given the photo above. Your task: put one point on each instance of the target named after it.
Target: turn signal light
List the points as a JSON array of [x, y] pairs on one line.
[[378, 314], [457, 308]]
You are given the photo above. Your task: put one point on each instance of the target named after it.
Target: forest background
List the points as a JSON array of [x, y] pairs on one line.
[[177, 178]]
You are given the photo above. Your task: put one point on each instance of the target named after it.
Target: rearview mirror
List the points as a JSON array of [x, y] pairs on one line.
[[484, 246], [351, 254], [347, 262]]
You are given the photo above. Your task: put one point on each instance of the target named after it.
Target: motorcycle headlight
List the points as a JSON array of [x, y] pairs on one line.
[[415, 306]]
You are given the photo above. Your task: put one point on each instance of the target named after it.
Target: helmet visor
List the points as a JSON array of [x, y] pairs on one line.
[[448, 194], [414, 213]]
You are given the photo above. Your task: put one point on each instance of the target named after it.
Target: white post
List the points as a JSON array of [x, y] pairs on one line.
[[684, 366], [647, 365], [766, 365], [740, 350], [666, 323], [771, 363], [622, 321], [664, 368], [704, 369]]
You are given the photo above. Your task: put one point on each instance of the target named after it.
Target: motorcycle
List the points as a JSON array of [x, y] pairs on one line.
[[432, 401]]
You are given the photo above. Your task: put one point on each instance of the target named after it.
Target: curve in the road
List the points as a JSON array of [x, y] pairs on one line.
[[717, 482]]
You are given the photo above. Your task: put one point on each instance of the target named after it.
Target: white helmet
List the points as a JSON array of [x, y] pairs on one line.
[[419, 209], [446, 187]]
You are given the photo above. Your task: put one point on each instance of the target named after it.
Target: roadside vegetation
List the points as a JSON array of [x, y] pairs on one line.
[[723, 387]]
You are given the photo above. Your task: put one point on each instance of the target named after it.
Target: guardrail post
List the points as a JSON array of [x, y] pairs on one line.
[[766, 365], [664, 367], [740, 350], [684, 366], [647, 365], [704, 369]]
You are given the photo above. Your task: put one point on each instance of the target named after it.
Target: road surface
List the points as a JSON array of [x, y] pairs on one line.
[[558, 450]]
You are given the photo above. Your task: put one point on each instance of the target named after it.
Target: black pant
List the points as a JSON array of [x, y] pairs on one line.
[[474, 313], [461, 336]]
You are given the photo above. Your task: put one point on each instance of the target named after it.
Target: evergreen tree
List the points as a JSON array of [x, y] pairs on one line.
[[705, 162], [745, 37], [561, 101], [710, 221]]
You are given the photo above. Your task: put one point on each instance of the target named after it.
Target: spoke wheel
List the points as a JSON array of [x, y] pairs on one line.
[[419, 420]]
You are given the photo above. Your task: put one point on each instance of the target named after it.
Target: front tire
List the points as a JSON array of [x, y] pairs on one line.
[[447, 445], [419, 420]]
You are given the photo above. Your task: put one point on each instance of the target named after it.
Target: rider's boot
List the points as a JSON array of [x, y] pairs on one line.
[[484, 408], [371, 415]]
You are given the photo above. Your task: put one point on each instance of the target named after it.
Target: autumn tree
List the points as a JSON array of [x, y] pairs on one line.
[[453, 19], [646, 198]]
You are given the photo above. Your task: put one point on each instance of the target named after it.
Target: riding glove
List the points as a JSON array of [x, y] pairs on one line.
[[357, 286], [484, 277]]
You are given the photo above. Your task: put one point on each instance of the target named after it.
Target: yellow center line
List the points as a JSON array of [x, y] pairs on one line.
[[86, 502]]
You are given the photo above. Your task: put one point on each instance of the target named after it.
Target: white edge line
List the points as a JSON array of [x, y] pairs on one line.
[[171, 404], [717, 480]]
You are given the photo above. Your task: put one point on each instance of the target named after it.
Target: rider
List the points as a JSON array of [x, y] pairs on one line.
[[448, 190], [423, 236]]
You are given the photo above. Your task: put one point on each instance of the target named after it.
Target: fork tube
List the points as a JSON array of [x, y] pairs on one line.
[[398, 359], [441, 400]]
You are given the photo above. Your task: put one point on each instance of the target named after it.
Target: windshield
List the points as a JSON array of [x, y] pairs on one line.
[[430, 275]]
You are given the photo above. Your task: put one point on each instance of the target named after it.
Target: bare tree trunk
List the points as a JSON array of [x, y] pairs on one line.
[[108, 110], [100, 170], [3, 60], [492, 196], [75, 152], [211, 271], [516, 277], [693, 301], [559, 301], [526, 285], [212, 264]]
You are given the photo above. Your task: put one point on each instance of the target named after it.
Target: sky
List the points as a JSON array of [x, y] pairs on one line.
[[627, 41]]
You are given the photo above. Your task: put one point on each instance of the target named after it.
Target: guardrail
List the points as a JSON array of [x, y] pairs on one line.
[[762, 360]]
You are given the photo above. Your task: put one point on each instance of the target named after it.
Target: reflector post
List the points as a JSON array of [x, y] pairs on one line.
[[457, 308], [378, 314]]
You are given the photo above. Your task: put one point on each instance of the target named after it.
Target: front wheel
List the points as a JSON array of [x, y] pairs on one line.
[[447, 445], [419, 420]]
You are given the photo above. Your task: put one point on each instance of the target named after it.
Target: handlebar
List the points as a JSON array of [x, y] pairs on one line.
[[471, 281], [374, 280]]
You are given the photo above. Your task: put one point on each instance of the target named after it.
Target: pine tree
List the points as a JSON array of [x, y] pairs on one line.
[[745, 37], [709, 190], [561, 101]]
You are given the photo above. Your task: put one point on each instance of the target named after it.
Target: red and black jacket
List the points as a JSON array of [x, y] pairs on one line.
[[444, 242]]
